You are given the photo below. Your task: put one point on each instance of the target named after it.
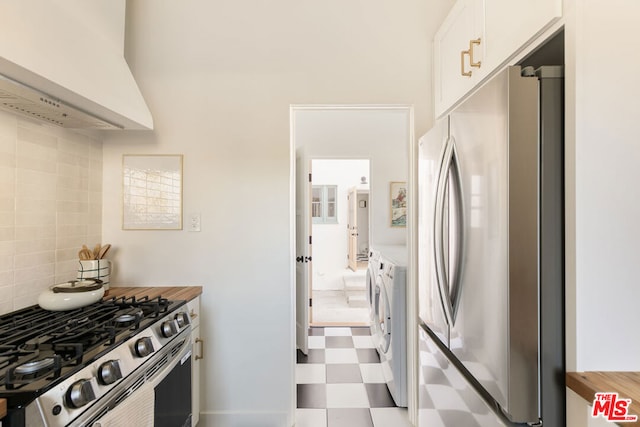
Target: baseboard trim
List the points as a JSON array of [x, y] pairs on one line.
[[245, 419]]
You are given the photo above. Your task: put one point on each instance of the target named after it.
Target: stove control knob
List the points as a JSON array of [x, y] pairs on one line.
[[169, 328], [109, 372], [182, 318], [144, 347], [80, 393]]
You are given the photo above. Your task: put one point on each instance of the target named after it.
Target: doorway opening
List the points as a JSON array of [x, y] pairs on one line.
[[339, 211]]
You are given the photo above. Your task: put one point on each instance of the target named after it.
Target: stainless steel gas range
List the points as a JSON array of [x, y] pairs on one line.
[[81, 367]]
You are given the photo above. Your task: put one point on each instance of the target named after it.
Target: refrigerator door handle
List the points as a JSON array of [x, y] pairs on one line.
[[455, 258], [449, 276], [438, 233]]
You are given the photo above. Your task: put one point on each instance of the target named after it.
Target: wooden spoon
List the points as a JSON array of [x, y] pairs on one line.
[[96, 251], [103, 251], [85, 254]]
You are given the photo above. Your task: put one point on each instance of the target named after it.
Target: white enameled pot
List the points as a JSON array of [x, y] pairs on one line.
[[70, 295]]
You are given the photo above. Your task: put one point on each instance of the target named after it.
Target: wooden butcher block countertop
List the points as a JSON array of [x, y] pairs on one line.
[[169, 292], [626, 384]]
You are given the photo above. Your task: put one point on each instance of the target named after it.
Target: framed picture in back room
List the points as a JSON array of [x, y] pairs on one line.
[[398, 204], [152, 192]]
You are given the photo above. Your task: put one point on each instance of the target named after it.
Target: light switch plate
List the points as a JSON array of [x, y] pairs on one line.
[[193, 222]]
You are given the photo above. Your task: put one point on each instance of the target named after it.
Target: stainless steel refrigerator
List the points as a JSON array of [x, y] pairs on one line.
[[491, 252]]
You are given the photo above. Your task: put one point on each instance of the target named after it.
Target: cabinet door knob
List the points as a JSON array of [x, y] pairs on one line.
[[462, 71], [471, 61]]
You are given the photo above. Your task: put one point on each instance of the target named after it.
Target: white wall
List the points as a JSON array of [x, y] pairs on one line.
[[381, 135], [330, 243], [219, 78], [603, 153], [50, 205]]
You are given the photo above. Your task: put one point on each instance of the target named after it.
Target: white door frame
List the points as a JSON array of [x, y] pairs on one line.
[[412, 228]]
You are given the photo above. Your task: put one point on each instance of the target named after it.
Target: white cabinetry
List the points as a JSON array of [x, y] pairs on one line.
[[478, 36], [459, 51], [511, 24], [196, 359]]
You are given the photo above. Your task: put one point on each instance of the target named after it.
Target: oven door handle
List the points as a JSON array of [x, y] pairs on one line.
[[201, 342]]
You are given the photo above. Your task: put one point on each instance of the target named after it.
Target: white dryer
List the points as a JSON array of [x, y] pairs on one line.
[[390, 331]]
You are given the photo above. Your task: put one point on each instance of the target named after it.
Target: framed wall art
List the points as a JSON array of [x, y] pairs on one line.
[[398, 204], [152, 192]]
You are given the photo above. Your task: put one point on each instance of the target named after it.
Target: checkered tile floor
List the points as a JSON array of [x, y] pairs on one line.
[[340, 382]]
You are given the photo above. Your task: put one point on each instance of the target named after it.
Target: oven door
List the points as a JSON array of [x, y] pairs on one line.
[[173, 394], [156, 394]]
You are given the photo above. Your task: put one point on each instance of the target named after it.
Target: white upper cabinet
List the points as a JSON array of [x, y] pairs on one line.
[[512, 24], [479, 36], [459, 52]]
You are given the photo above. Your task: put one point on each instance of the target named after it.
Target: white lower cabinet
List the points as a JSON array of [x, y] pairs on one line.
[[196, 359]]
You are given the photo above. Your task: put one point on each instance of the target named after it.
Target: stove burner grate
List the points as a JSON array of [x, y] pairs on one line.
[[35, 366], [33, 370]]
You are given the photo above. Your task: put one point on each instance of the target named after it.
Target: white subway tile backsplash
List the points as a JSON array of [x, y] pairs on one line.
[[94, 229], [36, 245], [7, 181], [36, 219], [50, 204], [29, 204], [6, 307], [7, 204], [7, 233], [6, 302], [66, 270], [36, 134], [30, 259], [26, 301], [6, 281], [34, 274], [7, 158], [8, 124], [75, 171], [72, 229], [79, 181], [36, 164], [35, 232], [6, 264], [95, 198], [7, 248], [69, 195], [77, 143], [74, 242], [35, 151], [67, 254], [68, 206], [7, 219], [35, 177], [72, 159], [31, 288]]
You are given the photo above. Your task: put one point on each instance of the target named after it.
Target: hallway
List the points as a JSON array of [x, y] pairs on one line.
[[340, 382]]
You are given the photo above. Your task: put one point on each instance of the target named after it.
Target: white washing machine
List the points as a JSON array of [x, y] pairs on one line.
[[373, 271], [390, 331]]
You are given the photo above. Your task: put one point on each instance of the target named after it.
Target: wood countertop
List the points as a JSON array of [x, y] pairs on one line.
[[170, 292], [626, 384]]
